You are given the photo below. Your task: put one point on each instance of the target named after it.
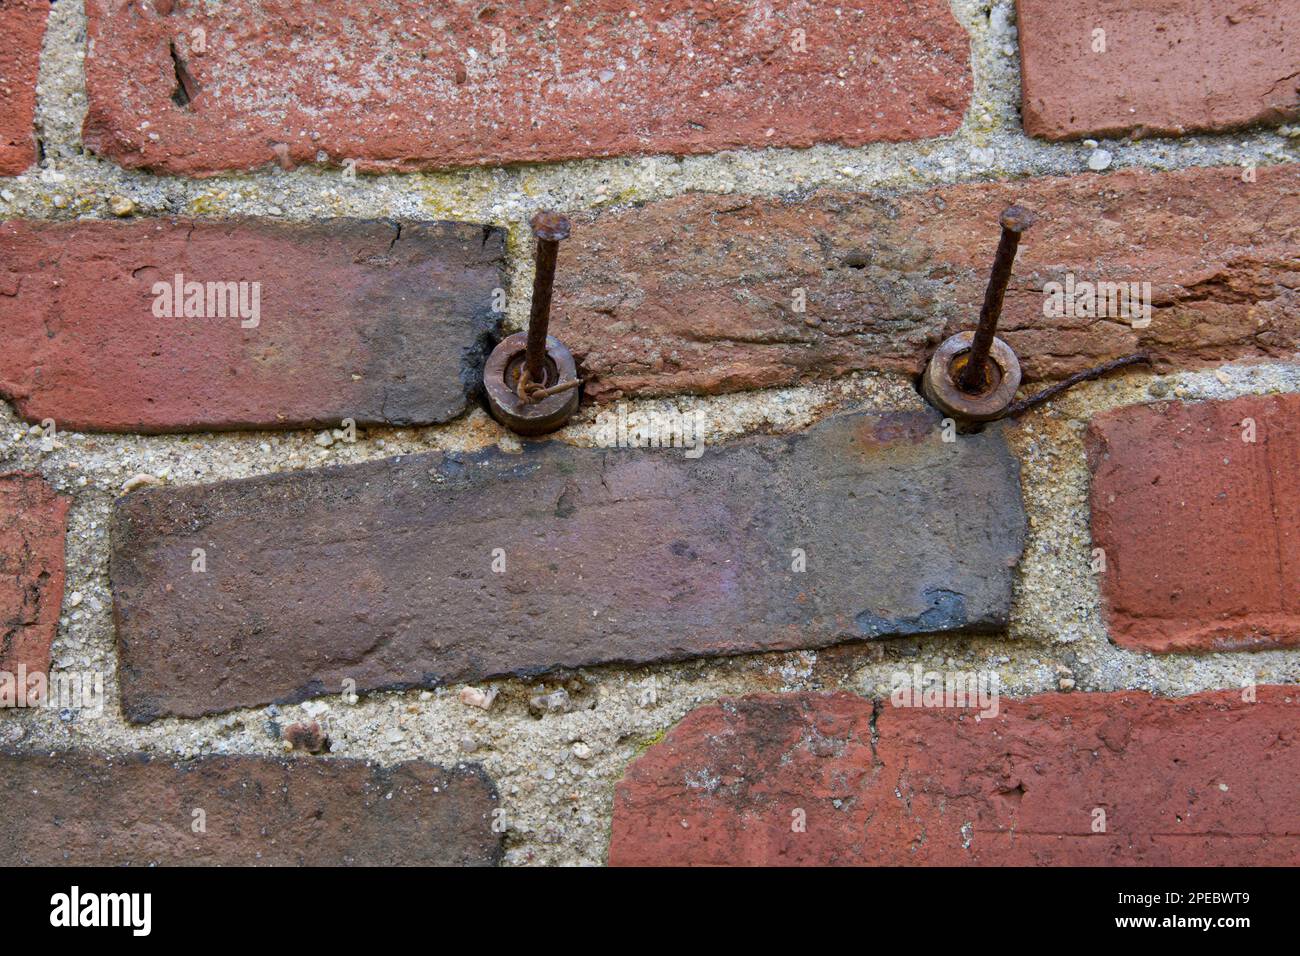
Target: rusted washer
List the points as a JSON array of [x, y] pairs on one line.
[[501, 379], [939, 384]]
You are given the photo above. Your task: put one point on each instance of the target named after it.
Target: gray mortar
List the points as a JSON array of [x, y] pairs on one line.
[[558, 804]]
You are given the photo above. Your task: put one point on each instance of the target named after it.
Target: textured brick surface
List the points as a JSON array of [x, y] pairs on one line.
[[697, 293], [22, 23], [383, 572], [92, 810], [1201, 529], [1168, 68], [33, 519], [374, 321], [407, 85], [1202, 780]]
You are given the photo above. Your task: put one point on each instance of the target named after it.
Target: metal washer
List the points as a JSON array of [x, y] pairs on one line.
[[537, 418], [940, 387]]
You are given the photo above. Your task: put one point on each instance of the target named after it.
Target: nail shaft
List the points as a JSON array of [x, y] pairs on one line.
[[973, 378], [549, 228]]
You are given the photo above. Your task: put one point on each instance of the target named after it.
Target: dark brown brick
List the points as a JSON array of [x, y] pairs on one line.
[[33, 521], [380, 322], [1080, 779], [73, 808], [1200, 527], [1167, 68], [23, 24], [382, 572], [696, 293], [465, 85]]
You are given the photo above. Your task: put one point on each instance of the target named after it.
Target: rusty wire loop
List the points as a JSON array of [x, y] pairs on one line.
[[1016, 409], [530, 392]]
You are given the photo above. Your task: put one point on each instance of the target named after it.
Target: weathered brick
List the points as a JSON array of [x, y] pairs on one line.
[[33, 520], [380, 322], [1197, 780], [382, 572], [23, 25], [697, 293], [74, 808], [1200, 527], [409, 86], [1167, 68]]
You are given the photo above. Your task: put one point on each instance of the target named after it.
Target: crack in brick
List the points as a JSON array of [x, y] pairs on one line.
[[187, 88]]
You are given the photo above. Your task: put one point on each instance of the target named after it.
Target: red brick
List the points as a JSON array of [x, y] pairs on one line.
[[1201, 780], [1200, 529], [1168, 68], [380, 322], [23, 24], [33, 520], [694, 293], [382, 573], [409, 86], [73, 808]]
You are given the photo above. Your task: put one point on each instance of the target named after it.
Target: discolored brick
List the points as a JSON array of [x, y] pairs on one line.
[[1194, 507], [702, 293], [80, 809], [1082, 779], [465, 85], [33, 521], [433, 568], [380, 322], [23, 25]]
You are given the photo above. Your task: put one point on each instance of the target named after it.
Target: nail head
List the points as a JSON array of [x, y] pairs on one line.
[[550, 226], [1017, 218]]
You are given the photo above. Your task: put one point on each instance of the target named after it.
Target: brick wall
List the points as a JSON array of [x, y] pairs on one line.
[[260, 535]]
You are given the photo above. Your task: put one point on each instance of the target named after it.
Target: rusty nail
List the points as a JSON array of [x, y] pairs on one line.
[[959, 379], [530, 379], [973, 378], [550, 228]]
